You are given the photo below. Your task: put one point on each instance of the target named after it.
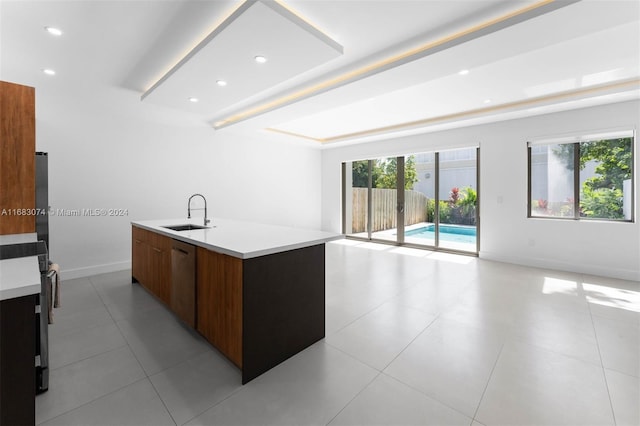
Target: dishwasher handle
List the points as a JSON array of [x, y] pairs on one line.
[[178, 249]]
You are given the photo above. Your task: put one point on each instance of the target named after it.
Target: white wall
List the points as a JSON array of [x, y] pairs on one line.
[[600, 248], [108, 150]]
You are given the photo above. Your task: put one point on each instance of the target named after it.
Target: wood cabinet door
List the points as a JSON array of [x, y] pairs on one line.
[[160, 280], [17, 158], [151, 262], [139, 255], [219, 302]]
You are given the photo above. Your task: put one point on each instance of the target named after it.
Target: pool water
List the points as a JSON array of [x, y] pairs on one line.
[[453, 233]]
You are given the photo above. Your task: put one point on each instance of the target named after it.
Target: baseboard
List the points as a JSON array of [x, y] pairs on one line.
[[69, 274], [599, 270]]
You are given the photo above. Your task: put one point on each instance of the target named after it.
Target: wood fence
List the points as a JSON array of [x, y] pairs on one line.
[[384, 204]]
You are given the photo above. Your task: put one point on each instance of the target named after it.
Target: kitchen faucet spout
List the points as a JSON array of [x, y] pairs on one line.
[[206, 221]]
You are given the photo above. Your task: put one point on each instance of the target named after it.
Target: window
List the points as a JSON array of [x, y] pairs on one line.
[[584, 178]]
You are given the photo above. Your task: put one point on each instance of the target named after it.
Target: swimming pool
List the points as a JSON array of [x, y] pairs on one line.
[[453, 233]]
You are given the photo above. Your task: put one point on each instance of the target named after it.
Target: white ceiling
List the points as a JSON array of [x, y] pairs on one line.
[[289, 45], [582, 53]]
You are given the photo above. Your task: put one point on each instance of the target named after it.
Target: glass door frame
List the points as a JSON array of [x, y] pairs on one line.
[[400, 208], [401, 200]]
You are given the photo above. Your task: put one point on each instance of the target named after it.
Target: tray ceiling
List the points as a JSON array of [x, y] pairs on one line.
[[289, 44], [397, 74]]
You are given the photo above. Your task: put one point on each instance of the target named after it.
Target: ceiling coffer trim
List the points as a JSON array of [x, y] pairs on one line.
[[633, 84], [275, 6], [286, 12], [236, 13], [430, 48]]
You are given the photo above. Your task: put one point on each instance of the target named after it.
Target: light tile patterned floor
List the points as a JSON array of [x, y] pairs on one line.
[[413, 338]]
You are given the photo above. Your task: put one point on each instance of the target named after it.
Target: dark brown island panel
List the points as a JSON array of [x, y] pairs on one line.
[[257, 311]]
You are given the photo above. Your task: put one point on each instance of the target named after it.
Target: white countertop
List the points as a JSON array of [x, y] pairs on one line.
[[20, 276], [29, 237], [240, 239]]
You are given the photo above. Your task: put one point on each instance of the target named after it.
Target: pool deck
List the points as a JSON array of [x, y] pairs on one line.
[[390, 235]]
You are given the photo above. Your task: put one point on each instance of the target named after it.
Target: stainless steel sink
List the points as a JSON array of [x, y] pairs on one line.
[[185, 227]]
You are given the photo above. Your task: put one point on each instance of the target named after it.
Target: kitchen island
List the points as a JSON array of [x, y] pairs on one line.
[[256, 292]]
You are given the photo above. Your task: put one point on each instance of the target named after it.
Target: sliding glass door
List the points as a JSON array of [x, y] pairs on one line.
[[356, 198], [394, 200], [370, 199], [457, 224], [419, 199], [384, 199]]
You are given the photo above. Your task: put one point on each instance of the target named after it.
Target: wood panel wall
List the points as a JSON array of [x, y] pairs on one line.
[[17, 158]]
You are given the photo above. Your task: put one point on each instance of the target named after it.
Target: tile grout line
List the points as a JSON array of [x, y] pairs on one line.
[[235, 392], [93, 400], [436, 317], [115, 322], [161, 400], [91, 328], [91, 356], [350, 356], [363, 315], [381, 372], [394, 296], [146, 373], [173, 366], [475, 414], [604, 374], [431, 397], [355, 396], [96, 355], [149, 375]]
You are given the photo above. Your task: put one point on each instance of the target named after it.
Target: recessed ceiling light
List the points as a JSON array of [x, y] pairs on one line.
[[49, 71], [463, 72], [221, 83], [194, 100], [487, 101], [53, 31], [260, 59]]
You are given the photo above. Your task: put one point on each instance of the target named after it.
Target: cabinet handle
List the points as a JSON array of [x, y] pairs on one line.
[[157, 249], [138, 241], [181, 251]]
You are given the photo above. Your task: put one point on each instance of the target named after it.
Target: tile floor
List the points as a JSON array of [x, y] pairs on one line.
[[412, 338]]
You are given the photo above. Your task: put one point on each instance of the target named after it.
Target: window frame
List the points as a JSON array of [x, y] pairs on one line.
[[576, 141]]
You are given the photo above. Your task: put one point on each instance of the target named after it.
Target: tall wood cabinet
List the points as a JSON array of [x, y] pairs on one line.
[[17, 158]]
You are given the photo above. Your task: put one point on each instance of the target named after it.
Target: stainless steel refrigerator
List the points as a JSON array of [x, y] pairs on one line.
[[42, 309], [42, 197]]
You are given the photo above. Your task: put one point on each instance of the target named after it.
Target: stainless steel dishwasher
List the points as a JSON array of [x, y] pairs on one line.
[[183, 281]]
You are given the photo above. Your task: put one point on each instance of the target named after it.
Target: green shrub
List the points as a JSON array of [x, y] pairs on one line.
[[431, 209], [605, 203], [467, 206], [446, 211], [459, 209]]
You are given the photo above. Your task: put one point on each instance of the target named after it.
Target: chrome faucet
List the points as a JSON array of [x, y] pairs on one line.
[[206, 221]]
